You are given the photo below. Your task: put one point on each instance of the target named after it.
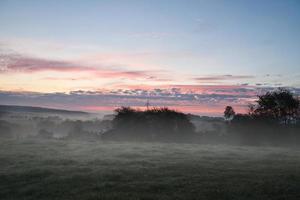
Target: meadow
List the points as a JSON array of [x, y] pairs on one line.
[[61, 169]]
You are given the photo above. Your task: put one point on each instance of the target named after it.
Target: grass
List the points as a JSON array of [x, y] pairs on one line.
[[57, 169]]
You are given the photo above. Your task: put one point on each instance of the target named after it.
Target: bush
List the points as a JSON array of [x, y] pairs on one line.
[[157, 124]]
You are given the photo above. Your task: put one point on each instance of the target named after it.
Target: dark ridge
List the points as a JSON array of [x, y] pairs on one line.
[[14, 108]]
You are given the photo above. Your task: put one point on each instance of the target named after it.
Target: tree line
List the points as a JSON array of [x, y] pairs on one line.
[[273, 118]]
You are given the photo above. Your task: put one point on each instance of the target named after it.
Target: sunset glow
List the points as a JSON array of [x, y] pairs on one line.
[[98, 55]]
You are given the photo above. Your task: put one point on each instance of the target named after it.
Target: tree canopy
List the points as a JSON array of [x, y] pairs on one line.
[[229, 113], [280, 104], [152, 124]]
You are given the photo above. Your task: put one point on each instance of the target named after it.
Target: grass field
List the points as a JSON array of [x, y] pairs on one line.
[[56, 169]]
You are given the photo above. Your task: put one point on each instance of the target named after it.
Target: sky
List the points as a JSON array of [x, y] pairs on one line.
[[193, 56]]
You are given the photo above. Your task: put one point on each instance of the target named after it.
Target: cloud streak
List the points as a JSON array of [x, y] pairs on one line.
[[223, 78], [13, 63]]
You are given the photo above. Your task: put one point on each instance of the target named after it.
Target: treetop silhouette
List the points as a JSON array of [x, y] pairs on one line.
[[152, 124]]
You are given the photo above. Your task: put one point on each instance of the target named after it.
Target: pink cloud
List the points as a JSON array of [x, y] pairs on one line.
[[22, 64], [17, 63], [223, 77], [201, 89]]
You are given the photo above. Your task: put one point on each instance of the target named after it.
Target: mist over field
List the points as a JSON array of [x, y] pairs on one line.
[[59, 169], [157, 153]]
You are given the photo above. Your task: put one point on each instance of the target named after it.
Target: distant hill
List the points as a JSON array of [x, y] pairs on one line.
[[30, 109]]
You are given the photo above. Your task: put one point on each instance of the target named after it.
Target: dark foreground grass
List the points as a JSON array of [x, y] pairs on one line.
[[35, 169]]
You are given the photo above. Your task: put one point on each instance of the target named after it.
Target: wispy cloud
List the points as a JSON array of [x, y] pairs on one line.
[[18, 63], [13, 63], [222, 77]]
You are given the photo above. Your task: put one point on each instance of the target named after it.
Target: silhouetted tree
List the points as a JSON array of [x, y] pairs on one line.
[[229, 113], [272, 120], [279, 105], [153, 124]]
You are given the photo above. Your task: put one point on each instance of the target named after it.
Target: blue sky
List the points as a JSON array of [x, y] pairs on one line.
[[185, 42]]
